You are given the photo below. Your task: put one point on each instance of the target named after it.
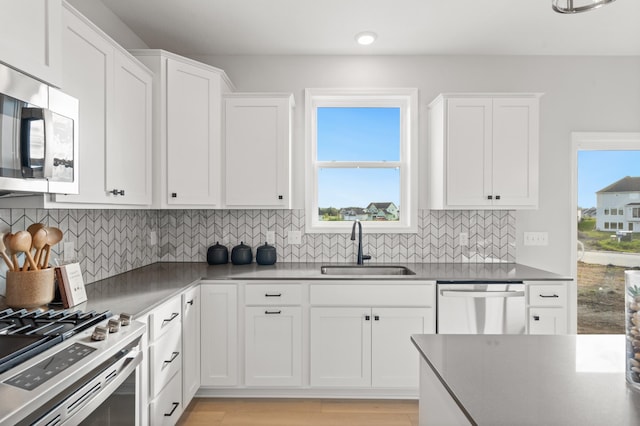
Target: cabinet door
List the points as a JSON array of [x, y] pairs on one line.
[[340, 347], [256, 143], [219, 335], [273, 346], [468, 152], [190, 344], [30, 38], [394, 359], [515, 151], [547, 321], [128, 153], [90, 80], [166, 408], [193, 138]]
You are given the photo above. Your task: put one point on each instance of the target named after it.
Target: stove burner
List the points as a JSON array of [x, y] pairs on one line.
[[46, 328]]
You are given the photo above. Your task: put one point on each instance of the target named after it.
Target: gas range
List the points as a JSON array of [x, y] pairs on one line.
[[55, 366]]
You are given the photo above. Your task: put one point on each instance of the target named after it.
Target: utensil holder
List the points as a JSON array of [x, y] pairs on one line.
[[30, 289]]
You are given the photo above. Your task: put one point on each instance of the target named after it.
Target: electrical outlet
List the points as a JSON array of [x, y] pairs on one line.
[[153, 238], [69, 251], [536, 238], [271, 237], [463, 239], [294, 237]]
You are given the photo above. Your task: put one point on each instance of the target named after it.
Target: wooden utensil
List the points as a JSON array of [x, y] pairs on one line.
[[21, 241], [39, 241], [54, 236], [3, 253], [10, 251]]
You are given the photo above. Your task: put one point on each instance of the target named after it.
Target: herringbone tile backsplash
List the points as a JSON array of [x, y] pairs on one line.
[[109, 242]]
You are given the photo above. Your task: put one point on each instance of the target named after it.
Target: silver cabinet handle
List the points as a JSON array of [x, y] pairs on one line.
[[481, 294]]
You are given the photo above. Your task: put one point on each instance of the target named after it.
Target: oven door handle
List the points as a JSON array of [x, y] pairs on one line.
[[480, 294]]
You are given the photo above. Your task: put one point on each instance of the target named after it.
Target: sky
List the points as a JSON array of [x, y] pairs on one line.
[[599, 169], [362, 134]]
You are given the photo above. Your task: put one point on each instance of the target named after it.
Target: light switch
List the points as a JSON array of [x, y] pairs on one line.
[[536, 238]]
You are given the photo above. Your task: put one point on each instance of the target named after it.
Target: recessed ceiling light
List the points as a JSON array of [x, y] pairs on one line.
[[366, 38]]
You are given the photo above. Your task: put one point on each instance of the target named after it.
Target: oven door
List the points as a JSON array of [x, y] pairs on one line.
[[108, 395]]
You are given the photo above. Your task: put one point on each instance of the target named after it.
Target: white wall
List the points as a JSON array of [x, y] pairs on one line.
[[581, 94]]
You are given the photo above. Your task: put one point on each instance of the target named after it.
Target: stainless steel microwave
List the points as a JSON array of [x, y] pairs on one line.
[[38, 136]]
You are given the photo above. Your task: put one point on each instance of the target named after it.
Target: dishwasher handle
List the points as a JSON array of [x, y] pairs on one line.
[[480, 294]]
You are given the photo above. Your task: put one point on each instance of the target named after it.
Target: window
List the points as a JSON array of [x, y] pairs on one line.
[[636, 212], [606, 225], [361, 159], [620, 225], [606, 211]]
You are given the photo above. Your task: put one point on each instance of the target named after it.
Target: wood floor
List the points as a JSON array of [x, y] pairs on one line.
[[299, 412]]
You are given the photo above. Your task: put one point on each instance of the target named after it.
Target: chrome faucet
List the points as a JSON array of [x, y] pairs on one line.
[[361, 257]]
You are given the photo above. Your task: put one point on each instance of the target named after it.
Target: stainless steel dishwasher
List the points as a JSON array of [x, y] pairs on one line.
[[480, 307]]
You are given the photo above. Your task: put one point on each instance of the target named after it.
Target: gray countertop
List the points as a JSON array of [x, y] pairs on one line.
[[140, 290], [535, 380]]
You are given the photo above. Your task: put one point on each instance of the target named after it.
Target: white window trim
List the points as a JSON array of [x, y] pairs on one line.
[[407, 100]]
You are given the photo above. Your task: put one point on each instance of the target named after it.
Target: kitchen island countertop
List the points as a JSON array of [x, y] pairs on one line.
[[140, 290], [529, 380]]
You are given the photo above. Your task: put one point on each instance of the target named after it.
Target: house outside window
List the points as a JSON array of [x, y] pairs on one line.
[[606, 211], [361, 159], [635, 212]]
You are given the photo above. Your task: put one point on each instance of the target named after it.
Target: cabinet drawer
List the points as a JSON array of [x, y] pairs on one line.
[[273, 294], [164, 317], [165, 357], [547, 295], [167, 407], [373, 295]]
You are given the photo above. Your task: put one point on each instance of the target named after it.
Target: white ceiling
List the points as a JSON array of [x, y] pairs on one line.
[[404, 27]]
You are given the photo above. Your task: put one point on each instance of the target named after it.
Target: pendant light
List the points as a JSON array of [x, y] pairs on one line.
[[577, 6]]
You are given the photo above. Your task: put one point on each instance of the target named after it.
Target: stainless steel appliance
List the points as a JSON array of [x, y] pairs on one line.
[[481, 308], [62, 367], [38, 136]]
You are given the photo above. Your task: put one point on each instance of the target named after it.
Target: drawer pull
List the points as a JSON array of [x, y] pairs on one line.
[[273, 295], [536, 317], [376, 317], [553, 296], [272, 312], [174, 355], [190, 302], [173, 316], [175, 406], [367, 317]]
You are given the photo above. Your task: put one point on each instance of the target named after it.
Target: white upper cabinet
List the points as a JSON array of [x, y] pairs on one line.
[[257, 150], [114, 93], [30, 38], [484, 151], [187, 127]]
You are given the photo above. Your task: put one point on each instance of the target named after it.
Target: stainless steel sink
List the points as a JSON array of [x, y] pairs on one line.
[[365, 270]]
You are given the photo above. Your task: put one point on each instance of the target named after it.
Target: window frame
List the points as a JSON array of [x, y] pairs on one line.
[[404, 98]]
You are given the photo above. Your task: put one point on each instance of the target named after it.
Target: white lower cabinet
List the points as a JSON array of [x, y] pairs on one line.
[[368, 346], [165, 363], [273, 346], [190, 344], [167, 407], [219, 335], [547, 308]]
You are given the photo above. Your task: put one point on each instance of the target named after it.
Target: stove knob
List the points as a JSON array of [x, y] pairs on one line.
[[100, 333], [113, 325], [125, 319]]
